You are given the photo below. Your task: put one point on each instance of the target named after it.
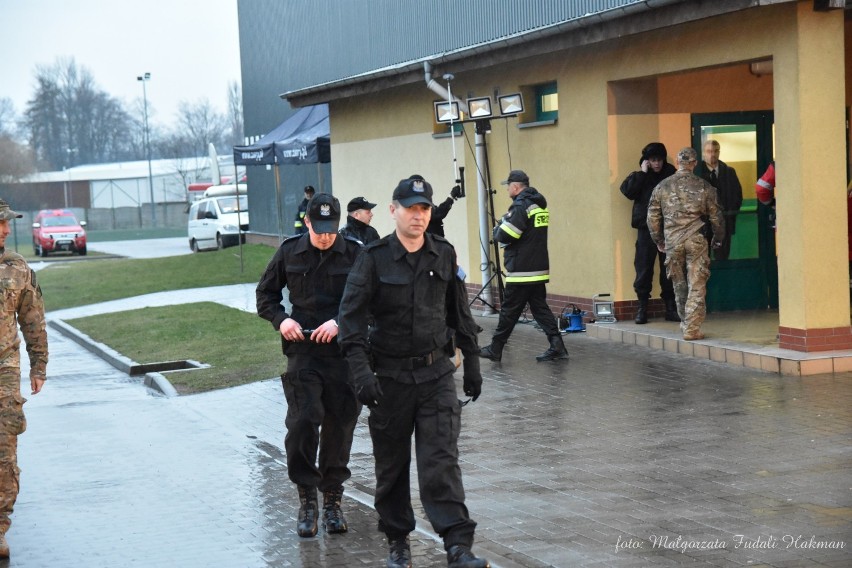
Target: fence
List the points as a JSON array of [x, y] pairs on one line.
[[169, 216]]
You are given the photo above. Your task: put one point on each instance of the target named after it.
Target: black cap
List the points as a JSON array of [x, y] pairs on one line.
[[410, 191], [309, 189], [359, 203], [324, 213], [516, 175]]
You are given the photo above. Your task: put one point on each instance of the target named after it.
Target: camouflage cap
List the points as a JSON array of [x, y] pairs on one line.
[[687, 155], [6, 213]]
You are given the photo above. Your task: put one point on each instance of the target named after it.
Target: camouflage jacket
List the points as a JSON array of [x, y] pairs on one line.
[[22, 305], [679, 206]]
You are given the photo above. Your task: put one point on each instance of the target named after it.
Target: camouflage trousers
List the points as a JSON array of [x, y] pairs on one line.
[[12, 423], [688, 267]]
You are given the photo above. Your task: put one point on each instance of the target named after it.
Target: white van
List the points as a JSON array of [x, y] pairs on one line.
[[217, 219]]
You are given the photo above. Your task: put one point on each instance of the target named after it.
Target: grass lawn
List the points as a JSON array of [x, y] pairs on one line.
[[240, 347], [71, 284]]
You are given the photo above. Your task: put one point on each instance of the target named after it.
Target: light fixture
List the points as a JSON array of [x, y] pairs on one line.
[[604, 310], [446, 111], [479, 107], [759, 68], [511, 104]]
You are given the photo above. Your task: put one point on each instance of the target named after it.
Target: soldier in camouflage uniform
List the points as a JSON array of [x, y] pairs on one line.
[[23, 307], [675, 220]]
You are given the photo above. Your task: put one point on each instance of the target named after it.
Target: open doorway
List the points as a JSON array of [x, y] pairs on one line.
[[748, 278]]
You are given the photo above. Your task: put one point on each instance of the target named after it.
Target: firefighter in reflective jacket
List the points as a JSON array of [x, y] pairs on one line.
[[299, 227], [523, 233]]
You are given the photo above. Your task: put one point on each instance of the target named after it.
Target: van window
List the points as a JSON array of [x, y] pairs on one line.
[[229, 204], [193, 211]]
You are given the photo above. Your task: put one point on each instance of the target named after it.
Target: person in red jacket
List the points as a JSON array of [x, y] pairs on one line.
[[765, 186]]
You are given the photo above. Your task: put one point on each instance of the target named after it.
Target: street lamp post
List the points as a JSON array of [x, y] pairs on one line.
[[144, 79]]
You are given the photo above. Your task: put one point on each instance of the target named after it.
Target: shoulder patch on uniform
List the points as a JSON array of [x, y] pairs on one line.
[[352, 240]]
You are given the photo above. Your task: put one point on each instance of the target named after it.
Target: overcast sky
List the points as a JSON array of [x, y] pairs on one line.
[[191, 48]]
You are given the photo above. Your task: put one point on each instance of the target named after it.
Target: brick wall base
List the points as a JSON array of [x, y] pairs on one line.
[[625, 310], [815, 339]]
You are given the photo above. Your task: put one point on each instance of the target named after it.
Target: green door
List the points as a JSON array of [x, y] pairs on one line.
[[748, 278]]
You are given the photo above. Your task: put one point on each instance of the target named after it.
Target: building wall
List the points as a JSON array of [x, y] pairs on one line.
[[614, 97], [297, 43]]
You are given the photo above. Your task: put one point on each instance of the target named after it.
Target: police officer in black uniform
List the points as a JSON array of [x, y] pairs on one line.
[[360, 213], [317, 383], [407, 282]]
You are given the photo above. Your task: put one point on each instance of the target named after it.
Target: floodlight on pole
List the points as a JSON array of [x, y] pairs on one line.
[[511, 104], [480, 107], [144, 79]]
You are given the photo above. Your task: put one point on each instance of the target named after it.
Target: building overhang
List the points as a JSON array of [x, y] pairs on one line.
[[586, 30]]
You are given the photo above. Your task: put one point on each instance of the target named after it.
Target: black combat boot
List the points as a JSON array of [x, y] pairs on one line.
[[460, 556], [555, 351], [642, 312], [306, 524], [493, 351], [332, 516], [399, 555], [671, 309]]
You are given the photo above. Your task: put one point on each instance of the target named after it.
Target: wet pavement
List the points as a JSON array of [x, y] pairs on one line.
[[619, 457]]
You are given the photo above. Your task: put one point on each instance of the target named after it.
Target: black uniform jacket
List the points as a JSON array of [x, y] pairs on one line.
[[639, 186], [316, 280], [359, 230], [414, 311]]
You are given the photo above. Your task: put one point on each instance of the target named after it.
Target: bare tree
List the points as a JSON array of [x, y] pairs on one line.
[[235, 114], [7, 117], [70, 121], [201, 125], [179, 148], [16, 160]]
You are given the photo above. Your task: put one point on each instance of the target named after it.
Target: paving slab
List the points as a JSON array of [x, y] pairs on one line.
[[619, 457]]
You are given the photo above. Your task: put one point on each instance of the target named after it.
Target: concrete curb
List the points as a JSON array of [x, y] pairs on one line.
[[153, 380]]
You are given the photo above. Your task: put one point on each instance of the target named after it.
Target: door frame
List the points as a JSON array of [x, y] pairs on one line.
[[765, 268]]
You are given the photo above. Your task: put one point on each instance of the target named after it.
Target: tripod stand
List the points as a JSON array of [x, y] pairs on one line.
[[483, 126]]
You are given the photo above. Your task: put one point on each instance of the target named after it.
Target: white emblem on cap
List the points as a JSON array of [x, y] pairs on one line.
[[325, 210], [417, 186]]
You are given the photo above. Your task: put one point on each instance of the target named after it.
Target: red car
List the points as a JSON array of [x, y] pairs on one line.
[[57, 230]]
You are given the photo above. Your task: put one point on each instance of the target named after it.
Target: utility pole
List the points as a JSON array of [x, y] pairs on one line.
[[144, 79]]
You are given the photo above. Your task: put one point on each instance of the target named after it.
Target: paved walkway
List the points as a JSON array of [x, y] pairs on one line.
[[620, 457]]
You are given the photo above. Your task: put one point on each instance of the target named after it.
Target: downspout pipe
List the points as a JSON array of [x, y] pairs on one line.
[[481, 190]]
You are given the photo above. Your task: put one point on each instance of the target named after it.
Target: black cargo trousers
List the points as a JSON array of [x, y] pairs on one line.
[[322, 411], [432, 412]]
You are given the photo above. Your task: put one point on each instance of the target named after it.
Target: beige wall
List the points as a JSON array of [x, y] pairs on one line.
[[614, 98]]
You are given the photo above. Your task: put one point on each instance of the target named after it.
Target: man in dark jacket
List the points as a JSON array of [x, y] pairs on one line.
[[358, 221], [440, 211], [523, 233], [724, 179], [638, 186], [320, 396], [407, 284]]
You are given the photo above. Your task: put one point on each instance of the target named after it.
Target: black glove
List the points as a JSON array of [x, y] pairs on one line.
[[367, 389], [472, 376], [456, 192]]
